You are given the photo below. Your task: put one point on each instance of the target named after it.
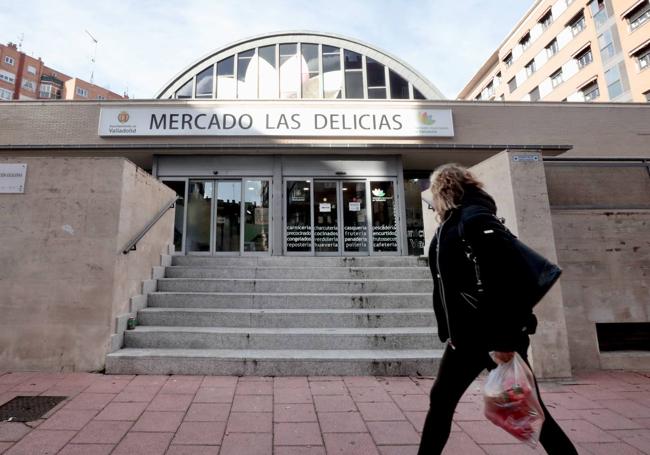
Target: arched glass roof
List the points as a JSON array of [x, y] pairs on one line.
[[299, 65]]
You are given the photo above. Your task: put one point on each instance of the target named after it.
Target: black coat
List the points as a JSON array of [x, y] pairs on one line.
[[470, 312]]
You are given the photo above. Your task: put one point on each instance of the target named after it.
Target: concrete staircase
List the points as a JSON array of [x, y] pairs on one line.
[[285, 316]]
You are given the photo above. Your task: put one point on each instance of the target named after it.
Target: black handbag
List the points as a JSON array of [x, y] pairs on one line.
[[535, 275]]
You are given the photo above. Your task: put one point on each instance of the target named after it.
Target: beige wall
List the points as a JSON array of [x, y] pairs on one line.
[[62, 274]]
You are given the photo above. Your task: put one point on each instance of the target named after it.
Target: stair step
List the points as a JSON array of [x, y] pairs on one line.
[[244, 317], [286, 338], [302, 272], [301, 261], [293, 285], [265, 362], [294, 300]]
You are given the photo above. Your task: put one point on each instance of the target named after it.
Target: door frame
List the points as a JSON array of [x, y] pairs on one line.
[[242, 223], [369, 218]]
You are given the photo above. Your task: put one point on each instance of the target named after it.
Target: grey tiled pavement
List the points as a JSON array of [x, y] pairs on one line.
[[603, 412]]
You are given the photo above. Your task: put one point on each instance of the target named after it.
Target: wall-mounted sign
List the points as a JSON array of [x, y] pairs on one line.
[[355, 206], [324, 207], [12, 178], [268, 120]]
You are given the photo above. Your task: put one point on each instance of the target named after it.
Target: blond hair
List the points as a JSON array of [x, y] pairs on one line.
[[448, 185]]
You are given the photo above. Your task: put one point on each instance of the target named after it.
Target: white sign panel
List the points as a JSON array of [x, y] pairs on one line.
[[266, 120], [355, 206], [324, 207], [12, 178]]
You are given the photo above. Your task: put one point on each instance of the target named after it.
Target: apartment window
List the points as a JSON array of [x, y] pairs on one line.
[[81, 92], [606, 43], [7, 76], [598, 12], [497, 79], [546, 20], [524, 42], [584, 58], [502, 97], [577, 24], [508, 60], [647, 96], [29, 85], [5, 94], [643, 57], [9, 60], [530, 68], [552, 48], [613, 81], [478, 97], [534, 94], [100, 97], [557, 78], [590, 91], [489, 90], [31, 70], [639, 15], [45, 91], [512, 84]]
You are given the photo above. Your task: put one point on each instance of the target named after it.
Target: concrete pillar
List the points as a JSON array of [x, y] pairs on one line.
[[517, 181]]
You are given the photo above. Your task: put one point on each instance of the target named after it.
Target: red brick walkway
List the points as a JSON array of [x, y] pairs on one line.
[[603, 413]]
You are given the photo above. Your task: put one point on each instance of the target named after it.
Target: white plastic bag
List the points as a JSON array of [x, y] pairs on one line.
[[511, 400]]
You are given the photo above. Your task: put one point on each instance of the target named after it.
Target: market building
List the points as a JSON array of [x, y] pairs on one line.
[[300, 162]]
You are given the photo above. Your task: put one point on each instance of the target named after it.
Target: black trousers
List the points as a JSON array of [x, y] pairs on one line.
[[458, 368]]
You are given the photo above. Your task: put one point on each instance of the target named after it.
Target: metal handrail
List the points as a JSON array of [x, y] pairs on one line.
[[131, 246]]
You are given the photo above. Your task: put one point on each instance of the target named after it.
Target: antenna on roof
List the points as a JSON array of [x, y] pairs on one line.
[[92, 59], [21, 38]]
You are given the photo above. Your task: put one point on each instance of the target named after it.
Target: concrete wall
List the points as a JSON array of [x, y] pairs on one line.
[[605, 253], [63, 278]]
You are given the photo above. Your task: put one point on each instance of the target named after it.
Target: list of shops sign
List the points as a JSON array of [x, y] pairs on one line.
[[12, 178], [265, 120]]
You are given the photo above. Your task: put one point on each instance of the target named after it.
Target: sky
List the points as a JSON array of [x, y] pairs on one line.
[[142, 44]]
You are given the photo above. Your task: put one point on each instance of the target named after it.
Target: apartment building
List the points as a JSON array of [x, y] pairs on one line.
[[23, 77], [571, 50]]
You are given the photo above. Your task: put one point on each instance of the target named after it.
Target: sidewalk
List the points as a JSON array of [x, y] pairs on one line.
[[603, 412]]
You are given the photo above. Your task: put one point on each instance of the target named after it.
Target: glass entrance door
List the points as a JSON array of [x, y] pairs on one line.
[[355, 217], [341, 217], [228, 217], [326, 218]]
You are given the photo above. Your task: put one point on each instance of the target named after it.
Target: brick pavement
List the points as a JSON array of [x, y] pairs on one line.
[[603, 413]]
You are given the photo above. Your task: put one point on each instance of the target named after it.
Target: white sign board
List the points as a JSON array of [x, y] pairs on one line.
[[12, 178], [324, 207], [355, 206], [269, 120]]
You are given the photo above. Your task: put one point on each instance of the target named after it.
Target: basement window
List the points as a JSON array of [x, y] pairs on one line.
[[623, 336]]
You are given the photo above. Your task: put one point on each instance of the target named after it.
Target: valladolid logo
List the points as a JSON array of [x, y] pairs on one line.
[[123, 117], [122, 126]]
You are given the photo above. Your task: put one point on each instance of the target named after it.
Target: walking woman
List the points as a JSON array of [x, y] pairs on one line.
[[475, 315]]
